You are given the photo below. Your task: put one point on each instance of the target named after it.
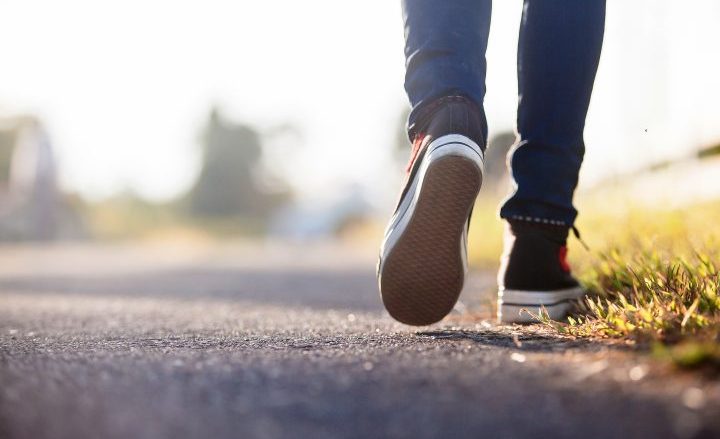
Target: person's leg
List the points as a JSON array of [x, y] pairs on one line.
[[558, 53], [423, 259], [445, 42]]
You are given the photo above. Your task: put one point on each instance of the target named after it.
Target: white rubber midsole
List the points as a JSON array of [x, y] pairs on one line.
[[517, 306], [449, 145]]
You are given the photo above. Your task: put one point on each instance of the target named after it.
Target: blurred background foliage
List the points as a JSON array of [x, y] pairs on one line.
[[234, 194], [294, 135]]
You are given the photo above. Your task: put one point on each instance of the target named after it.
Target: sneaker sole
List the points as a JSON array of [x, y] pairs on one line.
[[423, 263], [515, 306]]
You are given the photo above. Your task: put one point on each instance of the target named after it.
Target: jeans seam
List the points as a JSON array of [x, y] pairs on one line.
[[535, 219]]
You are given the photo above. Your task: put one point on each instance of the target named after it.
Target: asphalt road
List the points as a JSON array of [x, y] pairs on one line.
[[285, 341]]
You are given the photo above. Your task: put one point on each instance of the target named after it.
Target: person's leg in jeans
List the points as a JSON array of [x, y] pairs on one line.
[[422, 263], [445, 42], [558, 54]]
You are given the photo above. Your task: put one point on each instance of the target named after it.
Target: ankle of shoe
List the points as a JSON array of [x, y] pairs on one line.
[[534, 257], [450, 115], [554, 232]]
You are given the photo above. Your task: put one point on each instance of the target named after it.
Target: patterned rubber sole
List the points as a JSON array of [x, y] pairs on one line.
[[424, 273]]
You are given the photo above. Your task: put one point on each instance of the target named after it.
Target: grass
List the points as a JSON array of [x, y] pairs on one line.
[[656, 282], [653, 274], [666, 301]]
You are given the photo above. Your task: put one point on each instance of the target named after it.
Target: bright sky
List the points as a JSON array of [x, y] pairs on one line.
[[125, 87]]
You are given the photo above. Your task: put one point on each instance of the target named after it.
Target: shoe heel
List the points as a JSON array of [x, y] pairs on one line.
[[423, 274]]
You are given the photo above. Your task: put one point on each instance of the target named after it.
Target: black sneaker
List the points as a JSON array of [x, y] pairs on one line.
[[423, 258], [534, 273]]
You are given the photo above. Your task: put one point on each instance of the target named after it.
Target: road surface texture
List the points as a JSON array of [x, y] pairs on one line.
[[290, 341]]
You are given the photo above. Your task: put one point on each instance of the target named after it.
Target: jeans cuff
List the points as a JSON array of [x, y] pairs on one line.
[[538, 220]]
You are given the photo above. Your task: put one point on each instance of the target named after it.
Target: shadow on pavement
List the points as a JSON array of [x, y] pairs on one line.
[[528, 338]]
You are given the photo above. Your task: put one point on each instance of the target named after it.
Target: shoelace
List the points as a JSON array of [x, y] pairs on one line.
[[576, 232]]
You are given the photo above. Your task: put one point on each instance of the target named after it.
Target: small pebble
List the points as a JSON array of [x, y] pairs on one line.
[[637, 373], [693, 398]]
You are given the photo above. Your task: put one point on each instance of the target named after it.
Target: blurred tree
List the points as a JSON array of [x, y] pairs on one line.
[[7, 145], [228, 184], [32, 207]]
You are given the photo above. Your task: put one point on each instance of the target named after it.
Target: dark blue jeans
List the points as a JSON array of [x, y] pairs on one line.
[[558, 53]]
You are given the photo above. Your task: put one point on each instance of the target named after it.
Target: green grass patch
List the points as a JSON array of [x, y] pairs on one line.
[[656, 282], [653, 296], [652, 274]]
